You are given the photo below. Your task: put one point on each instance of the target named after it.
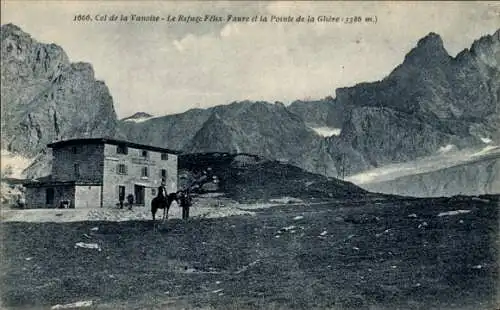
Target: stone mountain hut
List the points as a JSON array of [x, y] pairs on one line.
[[96, 172]]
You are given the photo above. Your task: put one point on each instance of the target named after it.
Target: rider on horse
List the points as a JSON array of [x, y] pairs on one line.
[[162, 190], [162, 200]]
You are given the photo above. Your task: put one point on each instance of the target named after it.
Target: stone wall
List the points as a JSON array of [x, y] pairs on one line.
[[87, 196], [36, 197], [134, 161], [88, 157]]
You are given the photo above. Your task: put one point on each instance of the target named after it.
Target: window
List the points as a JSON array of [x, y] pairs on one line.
[[144, 154], [121, 169], [121, 149], [74, 150], [164, 156], [144, 172], [164, 173], [76, 168]]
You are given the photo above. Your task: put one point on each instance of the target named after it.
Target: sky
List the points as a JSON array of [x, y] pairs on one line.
[[169, 67]]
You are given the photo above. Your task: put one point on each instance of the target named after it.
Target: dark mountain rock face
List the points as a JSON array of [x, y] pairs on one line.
[[383, 135], [172, 131], [326, 112], [44, 97], [431, 83], [429, 101], [260, 128]]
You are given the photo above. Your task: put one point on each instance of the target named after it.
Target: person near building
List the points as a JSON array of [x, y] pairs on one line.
[[162, 189], [21, 202], [185, 202], [121, 198], [130, 200]]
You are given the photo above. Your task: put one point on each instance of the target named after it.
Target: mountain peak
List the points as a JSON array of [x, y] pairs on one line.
[[10, 29], [429, 51], [486, 42], [432, 39], [485, 48]]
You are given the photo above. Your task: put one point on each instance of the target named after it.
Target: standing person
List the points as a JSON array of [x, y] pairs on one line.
[[162, 190], [121, 198], [21, 202], [185, 204], [130, 200]]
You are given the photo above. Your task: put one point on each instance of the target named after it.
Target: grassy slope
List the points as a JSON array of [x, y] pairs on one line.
[[248, 177], [372, 255]]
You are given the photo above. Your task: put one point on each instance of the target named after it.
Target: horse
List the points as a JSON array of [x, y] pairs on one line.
[[164, 203]]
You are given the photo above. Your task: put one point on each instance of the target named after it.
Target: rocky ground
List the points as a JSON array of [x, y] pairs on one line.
[[375, 254], [205, 206]]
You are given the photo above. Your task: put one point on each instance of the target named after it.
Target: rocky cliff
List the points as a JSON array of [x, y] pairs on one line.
[[172, 131], [259, 128], [429, 101], [45, 97], [326, 112]]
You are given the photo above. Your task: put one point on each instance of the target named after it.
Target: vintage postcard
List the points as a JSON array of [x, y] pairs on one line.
[[250, 155]]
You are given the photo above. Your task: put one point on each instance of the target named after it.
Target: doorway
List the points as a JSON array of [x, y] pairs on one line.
[[139, 194], [49, 196], [121, 193]]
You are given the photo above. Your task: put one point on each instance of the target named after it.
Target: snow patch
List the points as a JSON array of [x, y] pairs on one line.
[[377, 174], [456, 212], [139, 119], [480, 199], [486, 140], [285, 229], [88, 246], [485, 150], [327, 131], [447, 148], [77, 304], [286, 200], [450, 158], [12, 165], [424, 224]]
